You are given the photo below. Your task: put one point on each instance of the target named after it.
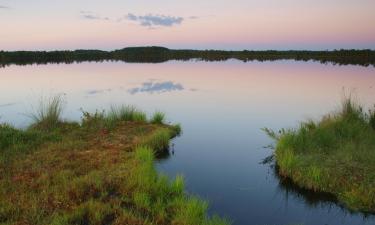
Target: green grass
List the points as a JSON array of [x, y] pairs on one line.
[[122, 113], [126, 113], [47, 115], [372, 118], [86, 173], [160, 196], [177, 129], [158, 118], [158, 141], [14, 141], [334, 155]]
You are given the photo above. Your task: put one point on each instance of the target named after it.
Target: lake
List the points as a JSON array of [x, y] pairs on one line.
[[222, 107]]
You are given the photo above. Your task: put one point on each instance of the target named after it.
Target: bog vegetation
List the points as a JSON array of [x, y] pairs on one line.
[[161, 54], [98, 171], [334, 155]]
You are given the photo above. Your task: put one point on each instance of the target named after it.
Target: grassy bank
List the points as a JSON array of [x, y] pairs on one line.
[[335, 155], [154, 54], [98, 171]]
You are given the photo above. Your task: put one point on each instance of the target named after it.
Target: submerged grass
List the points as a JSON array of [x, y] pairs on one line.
[[88, 174], [335, 155]]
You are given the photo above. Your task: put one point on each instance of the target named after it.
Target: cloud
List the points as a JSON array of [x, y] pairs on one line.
[[156, 87], [193, 17], [4, 7], [92, 16], [98, 91], [151, 20]]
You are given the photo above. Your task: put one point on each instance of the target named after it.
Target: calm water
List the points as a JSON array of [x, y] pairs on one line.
[[222, 107]]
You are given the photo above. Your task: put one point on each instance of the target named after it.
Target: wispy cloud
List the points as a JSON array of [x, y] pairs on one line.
[[4, 7], [151, 20], [92, 16]]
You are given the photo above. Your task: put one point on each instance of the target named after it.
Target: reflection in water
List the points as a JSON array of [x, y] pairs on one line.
[[8, 104], [156, 87], [312, 199], [98, 91], [222, 143], [166, 154]]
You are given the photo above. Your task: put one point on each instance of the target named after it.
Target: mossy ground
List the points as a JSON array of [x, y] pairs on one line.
[[335, 155], [92, 173]]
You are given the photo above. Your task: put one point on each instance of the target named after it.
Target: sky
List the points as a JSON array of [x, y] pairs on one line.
[[181, 24]]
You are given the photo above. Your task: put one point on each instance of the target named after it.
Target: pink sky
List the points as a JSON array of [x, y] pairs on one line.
[[237, 24]]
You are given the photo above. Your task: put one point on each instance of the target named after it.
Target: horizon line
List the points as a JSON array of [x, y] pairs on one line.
[[195, 49]]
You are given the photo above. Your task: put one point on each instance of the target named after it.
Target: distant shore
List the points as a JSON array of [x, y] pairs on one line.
[[156, 54]]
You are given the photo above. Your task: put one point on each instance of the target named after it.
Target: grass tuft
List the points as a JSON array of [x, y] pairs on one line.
[[126, 113], [191, 211], [178, 185], [158, 141], [116, 114], [48, 114], [177, 129], [144, 154], [158, 118]]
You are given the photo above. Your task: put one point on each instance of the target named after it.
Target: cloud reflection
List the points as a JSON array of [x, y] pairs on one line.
[[156, 87], [98, 91], [7, 104]]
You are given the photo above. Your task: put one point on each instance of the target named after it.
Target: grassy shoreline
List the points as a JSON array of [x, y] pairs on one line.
[[335, 155], [155, 54], [99, 171]]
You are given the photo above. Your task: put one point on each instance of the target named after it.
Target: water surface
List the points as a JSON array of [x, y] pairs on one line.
[[222, 107]]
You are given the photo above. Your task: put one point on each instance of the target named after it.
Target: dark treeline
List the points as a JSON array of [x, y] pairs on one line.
[[160, 54]]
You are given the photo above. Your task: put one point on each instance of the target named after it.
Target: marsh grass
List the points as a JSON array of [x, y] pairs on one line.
[[47, 115], [335, 155], [372, 118], [161, 196], [85, 173], [14, 141], [158, 118], [177, 130], [158, 141], [115, 115], [126, 113]]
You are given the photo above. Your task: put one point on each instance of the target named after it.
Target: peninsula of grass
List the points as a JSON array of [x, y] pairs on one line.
[[99, 171], [335, 155]]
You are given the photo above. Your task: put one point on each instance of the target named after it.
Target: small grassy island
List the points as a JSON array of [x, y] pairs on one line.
[[98, 171], [335, 155]]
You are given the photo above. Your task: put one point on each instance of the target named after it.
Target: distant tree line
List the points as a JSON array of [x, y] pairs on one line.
[[161, 54]]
